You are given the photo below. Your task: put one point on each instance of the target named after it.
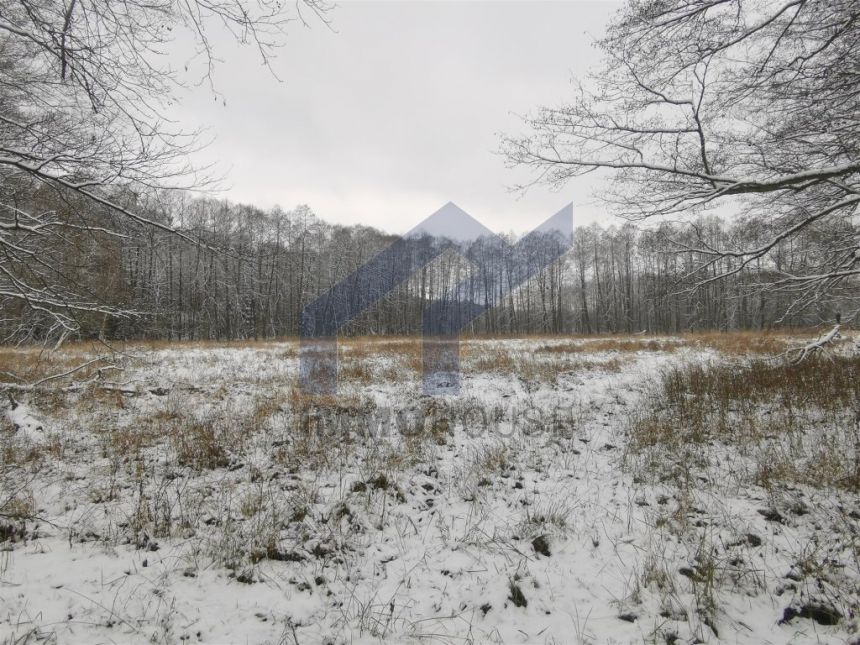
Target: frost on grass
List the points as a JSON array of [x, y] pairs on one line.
[[577, 490]]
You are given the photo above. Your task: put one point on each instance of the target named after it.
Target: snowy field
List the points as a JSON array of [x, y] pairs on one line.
[[607, 490]]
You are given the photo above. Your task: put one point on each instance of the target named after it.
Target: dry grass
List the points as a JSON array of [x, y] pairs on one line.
[[756, 429], [830, 384], [267, 405], [27, 364], [548, 371], [130, 442], [600, 344], [202, 446], [367, 346], [392, 358], [156, 345], [787, 423], [31, 364], [482, 360], [739, 343], [249, 473], [735, 343], [356, 371], [19, 506], [542, 366], [492, 459]]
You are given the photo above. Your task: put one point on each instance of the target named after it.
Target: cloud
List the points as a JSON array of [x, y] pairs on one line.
[[397, 109]]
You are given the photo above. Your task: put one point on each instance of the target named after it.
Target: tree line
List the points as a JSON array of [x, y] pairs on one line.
[[218, 270]]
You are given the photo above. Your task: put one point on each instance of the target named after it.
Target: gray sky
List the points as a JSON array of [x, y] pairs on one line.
[[396, 110]]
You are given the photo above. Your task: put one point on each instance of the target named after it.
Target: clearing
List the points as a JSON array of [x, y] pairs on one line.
[[606, 490]]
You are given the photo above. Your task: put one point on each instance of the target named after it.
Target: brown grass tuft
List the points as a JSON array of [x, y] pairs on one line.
[[796, 423], [201, 446]]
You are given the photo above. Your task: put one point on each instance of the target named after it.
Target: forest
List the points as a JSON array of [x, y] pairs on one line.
[[216, 270]]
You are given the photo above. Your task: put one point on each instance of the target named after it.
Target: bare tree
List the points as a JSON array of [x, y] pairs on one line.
[[85, 89], [253, 271], [750, 107]]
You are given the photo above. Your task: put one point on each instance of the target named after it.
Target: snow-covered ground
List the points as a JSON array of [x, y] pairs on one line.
[[198, 496]]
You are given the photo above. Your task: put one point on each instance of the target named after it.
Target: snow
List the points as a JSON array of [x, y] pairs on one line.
[[430, 553], [25, 423]]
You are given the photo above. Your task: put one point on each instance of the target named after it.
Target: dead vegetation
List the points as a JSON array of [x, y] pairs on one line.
[[746, 343], [787, 434], [545, 365], [25, 366], [792, 423], [602, 344], [250, 472], [734, 343]]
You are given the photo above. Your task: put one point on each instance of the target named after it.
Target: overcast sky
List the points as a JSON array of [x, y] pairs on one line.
[[396, 110]]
